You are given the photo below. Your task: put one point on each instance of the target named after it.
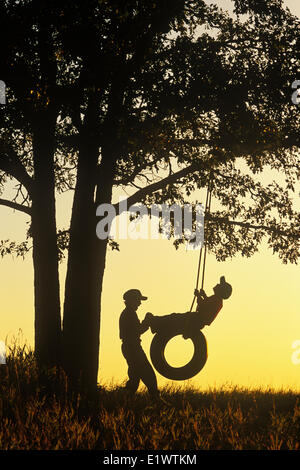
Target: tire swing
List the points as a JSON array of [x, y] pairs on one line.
[[163, 336], [192, 368]]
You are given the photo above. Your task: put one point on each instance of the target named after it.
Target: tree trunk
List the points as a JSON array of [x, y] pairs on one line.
[[45, 251], [81, 325], [87, 253], [86, 264]]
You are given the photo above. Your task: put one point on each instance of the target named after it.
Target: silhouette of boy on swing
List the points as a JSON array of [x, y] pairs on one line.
[[206, 311]]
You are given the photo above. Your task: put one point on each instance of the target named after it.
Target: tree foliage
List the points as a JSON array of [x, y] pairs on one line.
[[179, 93], [158, 99]]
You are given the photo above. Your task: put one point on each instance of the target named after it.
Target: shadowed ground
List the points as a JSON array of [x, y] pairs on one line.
[[35, 416]]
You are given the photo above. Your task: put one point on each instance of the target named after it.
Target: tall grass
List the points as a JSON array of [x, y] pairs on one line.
[[37, 413]]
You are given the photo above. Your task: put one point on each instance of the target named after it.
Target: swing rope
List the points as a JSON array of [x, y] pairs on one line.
[[207, 211]]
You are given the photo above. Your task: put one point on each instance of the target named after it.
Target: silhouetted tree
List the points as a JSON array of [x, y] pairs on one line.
[[28, 127], [140, 95]]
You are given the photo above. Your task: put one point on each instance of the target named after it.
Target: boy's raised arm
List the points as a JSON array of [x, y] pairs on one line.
[[145, 324]]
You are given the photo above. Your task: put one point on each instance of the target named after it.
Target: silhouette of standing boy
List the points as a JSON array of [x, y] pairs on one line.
[[139, 368]]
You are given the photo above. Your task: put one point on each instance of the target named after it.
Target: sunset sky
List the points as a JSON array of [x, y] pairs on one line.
[[250, 342]]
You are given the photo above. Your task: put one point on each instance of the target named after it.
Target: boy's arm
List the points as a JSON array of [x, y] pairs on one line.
[[201, 297], [202, 292], [145, 324]]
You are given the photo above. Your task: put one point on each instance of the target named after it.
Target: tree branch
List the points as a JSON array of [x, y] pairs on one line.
[[152, 188], [10, 163], [173, 178], [247, 225]]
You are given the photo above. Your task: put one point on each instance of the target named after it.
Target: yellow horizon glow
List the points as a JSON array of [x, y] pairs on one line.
[[250, 342]]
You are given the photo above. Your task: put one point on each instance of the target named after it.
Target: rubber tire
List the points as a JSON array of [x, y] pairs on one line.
[[192, 368]]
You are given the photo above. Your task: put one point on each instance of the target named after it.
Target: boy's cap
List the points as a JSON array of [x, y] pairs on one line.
[[134, 294]]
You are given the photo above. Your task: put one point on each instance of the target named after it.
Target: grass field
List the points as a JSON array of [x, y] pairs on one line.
[[44, 417]]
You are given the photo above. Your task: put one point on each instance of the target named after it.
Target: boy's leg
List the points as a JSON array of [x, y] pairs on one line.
[[139, 368], [160, 323], [148, 376], [133, 381], [149, 379]]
